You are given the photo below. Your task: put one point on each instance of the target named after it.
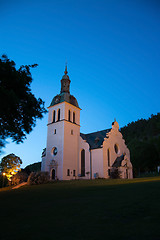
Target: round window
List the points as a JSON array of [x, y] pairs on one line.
[[116, 148], [54, 151]]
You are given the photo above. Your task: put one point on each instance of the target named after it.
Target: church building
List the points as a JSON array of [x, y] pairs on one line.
[[70, 154]]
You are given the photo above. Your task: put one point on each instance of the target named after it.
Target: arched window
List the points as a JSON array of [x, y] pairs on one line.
[[54, 116], [108, 157], [58, 115], [69, 115], [116, 148], [82, 163], [74, 117]]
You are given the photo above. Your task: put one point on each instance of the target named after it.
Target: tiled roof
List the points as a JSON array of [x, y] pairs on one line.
[[95, 139], [118, 161], [64, 97]]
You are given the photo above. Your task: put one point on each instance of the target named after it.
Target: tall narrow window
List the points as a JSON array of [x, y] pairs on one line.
[[74, 173], [59, 114], [54, 116], [69, 115], [68, 172], [83, 163], [74, 117], [108, 156]]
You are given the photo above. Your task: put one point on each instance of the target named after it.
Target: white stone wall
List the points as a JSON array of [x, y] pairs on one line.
[[71, 142], [66, 140], [97, 162]]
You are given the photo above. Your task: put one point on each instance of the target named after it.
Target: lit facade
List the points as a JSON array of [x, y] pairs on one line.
[[70, 154]]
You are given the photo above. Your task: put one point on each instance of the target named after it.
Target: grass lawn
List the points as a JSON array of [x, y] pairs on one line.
[[97, 209]]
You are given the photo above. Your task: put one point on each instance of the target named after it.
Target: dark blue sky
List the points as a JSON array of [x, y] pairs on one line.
[[113, 53]]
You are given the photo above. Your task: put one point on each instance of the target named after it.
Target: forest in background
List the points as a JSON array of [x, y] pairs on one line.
[[143, 140]]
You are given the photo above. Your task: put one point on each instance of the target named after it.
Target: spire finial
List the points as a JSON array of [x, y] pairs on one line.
[[66, 69], [114, 119]]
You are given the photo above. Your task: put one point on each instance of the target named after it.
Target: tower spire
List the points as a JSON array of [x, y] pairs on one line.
[[65, 82], [66, 69]]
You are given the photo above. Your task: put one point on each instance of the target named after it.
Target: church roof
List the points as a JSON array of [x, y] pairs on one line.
[[95, 139], [64, 97], [118, 161]]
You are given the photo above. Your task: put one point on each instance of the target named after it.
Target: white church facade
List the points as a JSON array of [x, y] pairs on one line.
[[70, 154]]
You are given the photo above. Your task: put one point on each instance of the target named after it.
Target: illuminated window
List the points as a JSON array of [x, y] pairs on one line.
[[68, 172], [58, 115], [69, 115], [74, 117], [54, 116]]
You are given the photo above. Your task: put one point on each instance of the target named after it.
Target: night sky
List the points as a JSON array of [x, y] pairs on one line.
[[113, 52]]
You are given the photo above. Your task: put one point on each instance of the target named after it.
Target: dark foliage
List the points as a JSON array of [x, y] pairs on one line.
[[19, 178], [35, 167], [115, 173], [38, 178], [20, 108], [3, 181], [143, 139]]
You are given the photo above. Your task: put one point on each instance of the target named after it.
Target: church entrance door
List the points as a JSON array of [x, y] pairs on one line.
[[53, 174]]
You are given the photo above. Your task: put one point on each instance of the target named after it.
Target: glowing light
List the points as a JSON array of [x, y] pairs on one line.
[[4, 174]]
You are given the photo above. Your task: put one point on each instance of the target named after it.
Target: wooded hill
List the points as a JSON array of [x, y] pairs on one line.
[[143, 140]]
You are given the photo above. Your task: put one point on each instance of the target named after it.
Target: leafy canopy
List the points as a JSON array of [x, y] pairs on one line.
[[143, 140], [10, 165], [19, 108]]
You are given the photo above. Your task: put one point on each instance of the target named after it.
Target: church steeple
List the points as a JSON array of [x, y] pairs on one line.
[[65, 82]]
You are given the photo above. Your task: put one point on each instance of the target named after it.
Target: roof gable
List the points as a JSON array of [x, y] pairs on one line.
[[95, 139]]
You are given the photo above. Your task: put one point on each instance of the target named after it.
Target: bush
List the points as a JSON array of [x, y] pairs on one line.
[[38, 178], [19, 178], [115, 173], [3, 181]]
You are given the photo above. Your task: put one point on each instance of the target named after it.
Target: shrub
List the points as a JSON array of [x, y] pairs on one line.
[[38, 178], [115, 173], [19, 178], [3, 181]]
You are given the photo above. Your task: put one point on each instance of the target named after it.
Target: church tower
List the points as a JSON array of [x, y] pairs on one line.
[[60, 158]]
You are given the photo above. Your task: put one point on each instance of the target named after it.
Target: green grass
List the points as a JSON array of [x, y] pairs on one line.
[[98, 209]]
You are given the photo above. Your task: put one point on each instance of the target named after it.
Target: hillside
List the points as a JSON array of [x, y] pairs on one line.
[[143, 139], [88, 210]]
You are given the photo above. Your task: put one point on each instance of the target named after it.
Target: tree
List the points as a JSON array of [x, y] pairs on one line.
[[19, 177], [38, 178], [19, 108], [10, 165], [35, 167]]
